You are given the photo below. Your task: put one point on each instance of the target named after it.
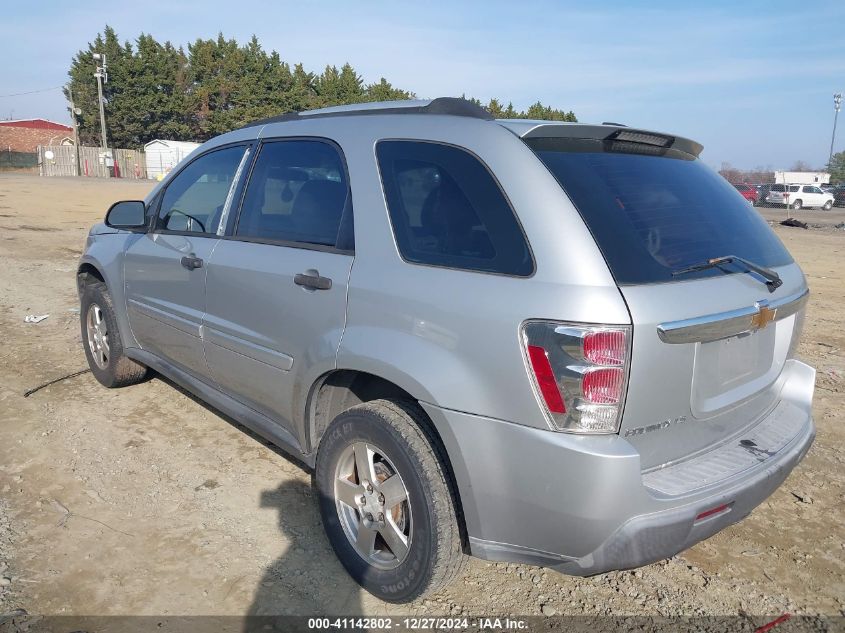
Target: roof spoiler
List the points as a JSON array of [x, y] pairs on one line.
[[615, 132]]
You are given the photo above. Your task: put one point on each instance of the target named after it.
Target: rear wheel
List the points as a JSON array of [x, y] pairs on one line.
[[101, 340], [828, 205], [796, 205], [386, 501]]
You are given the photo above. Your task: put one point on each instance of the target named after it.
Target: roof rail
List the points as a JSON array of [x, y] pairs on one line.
[[453, 106]]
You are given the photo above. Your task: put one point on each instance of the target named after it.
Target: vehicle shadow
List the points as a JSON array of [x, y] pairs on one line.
[[307, 580], [227, 418]]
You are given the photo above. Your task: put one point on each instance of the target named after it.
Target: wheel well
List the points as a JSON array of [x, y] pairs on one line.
[[343, 389], [87, 274]]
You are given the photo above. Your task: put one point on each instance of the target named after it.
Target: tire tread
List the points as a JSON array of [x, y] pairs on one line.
[[406, 421], [124, 371]]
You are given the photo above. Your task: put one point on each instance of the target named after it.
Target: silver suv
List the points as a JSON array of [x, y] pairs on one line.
[[561, 344]]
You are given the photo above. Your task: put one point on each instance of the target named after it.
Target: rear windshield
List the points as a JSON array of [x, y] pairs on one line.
[[792, 188], [655, 214]]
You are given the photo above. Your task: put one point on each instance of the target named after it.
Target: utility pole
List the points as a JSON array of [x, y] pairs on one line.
[[837, 104], [74, 112], [102, 77]]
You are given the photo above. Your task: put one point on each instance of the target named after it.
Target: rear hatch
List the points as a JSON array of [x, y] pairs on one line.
[[709, 343]]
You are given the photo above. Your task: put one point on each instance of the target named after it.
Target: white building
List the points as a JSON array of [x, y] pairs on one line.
[[162, 156], [802, 177]]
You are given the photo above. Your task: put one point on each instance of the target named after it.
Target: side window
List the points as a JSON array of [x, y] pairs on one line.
[[298, 193], [447, 210], [194, 199]]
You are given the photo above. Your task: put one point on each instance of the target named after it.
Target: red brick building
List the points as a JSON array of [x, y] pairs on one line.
[[25, 135]]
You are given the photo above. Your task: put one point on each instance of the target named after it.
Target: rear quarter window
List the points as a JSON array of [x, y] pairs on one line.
[[446, 209], [652, 214]]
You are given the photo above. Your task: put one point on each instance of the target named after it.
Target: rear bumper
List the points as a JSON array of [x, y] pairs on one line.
[[648, 538], [582, 506]]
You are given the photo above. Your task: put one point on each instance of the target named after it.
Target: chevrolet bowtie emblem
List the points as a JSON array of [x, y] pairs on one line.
[[764, 316]]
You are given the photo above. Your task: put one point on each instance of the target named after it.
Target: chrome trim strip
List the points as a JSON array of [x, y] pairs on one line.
[[227, 205], [714, 327]]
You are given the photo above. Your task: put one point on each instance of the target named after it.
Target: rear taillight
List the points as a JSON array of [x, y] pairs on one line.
[[579, 373]]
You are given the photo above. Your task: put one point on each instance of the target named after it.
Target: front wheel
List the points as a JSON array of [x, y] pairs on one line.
[[796, 205], [828, 205], [101, 340], [386, 501]]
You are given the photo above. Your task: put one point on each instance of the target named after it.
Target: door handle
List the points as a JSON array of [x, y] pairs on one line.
[[192, 263], [311, 279]]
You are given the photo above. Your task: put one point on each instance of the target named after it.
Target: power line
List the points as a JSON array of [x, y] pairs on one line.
[[31, 92]]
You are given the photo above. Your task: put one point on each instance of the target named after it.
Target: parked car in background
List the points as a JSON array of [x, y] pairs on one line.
[[560, 344], [762, 192], [839, 196], [799, 196], [810, 196], [749, 192], [779, 194]]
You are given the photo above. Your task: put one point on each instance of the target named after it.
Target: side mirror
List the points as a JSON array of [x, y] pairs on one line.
[[127, 214]]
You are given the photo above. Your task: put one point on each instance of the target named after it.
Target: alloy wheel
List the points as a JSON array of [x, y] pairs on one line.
[[372, 504], [98, 335]]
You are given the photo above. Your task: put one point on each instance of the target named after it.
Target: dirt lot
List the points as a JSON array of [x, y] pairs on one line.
[[143, 501]]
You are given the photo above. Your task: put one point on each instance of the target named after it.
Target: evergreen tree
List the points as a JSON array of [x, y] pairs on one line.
[[384, 91], [339, 87], [836, 168], [157, 90], [303, 96], [156, 93]]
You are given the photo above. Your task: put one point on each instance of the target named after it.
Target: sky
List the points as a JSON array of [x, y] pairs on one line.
[[752, 81]]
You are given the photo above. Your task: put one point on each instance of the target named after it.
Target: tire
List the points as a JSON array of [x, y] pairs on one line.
[[390, 438], [796, 205], [103, 348], [828, 205]]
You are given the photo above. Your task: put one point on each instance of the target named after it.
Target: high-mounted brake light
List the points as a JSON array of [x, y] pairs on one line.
[[644, 138], [579, 372]]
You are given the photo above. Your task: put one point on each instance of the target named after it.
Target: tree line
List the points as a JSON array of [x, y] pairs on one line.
[[159, 90]]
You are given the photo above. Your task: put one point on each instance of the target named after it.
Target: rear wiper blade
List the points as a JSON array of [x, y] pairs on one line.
[[773, 280]]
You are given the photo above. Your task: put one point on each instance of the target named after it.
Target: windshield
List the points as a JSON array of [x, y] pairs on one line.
[[654, 214]]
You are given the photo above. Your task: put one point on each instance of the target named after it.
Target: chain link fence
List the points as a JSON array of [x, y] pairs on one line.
[[10, 160]]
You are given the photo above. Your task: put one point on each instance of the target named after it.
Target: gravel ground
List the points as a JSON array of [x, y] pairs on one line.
[[144, 501]]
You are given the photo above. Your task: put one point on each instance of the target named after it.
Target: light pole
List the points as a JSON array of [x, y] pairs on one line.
[[74, 113], [102, 77], [837, 104]]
